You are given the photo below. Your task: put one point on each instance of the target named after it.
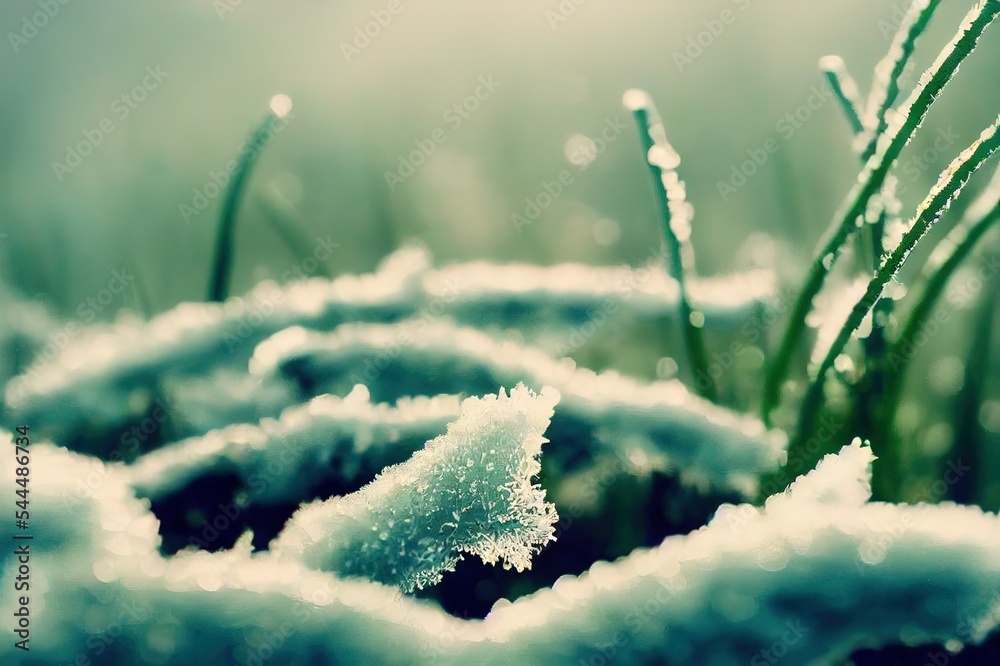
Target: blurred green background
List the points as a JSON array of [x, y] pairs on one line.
[[353, 120]]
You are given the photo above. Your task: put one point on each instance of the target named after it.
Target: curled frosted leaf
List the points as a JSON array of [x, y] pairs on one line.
[[469, 491]]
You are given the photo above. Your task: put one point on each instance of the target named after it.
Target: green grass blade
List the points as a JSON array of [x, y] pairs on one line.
[[222, 262], [949, 185], [980, 218], [845, 89], [885, 86], [675, 213], [889, 145]]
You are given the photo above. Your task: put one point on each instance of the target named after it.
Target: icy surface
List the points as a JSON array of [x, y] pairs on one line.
[[91, 377], [468, 491], [661, 419], [814, 574], [280, 459]]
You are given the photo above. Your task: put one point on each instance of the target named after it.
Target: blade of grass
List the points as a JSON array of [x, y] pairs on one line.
[[218, 288], [889, 70], [949, 185], [845, 89], [980, 217], [898, 133], [675, 213]]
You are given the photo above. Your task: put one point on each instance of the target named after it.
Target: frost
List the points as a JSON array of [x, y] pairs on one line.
[[328, 437], [818, 560], [617, 413], [832, 309], [413, 521], [92, 376], [90, 380], [553, 294]]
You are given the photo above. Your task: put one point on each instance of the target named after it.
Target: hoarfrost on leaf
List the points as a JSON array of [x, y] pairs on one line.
[[505, 517]]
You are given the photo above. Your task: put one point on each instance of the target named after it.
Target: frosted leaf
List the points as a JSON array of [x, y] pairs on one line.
[[88, 383], [817, 563], [679, 430], [549, 296], [504, 518], [816, 560], [89, 378], [281, 459]]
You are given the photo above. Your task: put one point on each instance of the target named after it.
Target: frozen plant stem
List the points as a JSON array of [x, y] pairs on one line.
[[662, 160], [949, 185], [967, 237], [885, 87], [870, 182], [222, 263], [845, 89]]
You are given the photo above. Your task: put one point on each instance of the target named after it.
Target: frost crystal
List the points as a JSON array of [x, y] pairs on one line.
[[818, 560], [413, 521]]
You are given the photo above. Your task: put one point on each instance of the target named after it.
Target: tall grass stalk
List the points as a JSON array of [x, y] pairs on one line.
[[222, 262], [888, 72], [889, 145], [845, 89], [949, 185], [675, 213], [980, 218]]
